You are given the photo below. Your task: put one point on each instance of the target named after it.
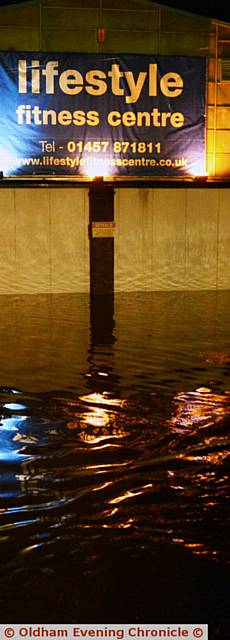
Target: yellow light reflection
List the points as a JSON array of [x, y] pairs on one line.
[[196, 548], [97, 167], [201, 407], [98, 422], [193, 545], [130, 494], [119, 525], [212, 458], [102, 398], [96, 418], [103, 486]]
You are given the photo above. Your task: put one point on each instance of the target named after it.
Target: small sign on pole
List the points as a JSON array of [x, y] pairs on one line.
[[103, 229]]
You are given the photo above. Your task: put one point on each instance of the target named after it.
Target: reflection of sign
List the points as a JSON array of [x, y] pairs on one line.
[[103, 229], [102, 114]]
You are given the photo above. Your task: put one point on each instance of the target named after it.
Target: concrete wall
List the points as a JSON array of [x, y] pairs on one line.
[[165, 239], [172, 239], [44, 240]]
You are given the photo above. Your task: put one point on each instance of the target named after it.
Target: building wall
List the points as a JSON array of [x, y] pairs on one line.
[[165, 238], [131, 26], [172, 239], [44, 240]]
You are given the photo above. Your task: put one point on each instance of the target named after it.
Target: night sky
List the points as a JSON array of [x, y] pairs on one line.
[[219, 9]]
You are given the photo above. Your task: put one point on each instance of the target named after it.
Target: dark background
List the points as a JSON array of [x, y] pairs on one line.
[[219, 10]]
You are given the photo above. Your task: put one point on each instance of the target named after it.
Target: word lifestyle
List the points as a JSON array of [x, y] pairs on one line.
[[36, 78]]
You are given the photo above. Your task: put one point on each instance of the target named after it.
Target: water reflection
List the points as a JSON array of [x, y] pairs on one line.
[[113, 459], [201, 407]]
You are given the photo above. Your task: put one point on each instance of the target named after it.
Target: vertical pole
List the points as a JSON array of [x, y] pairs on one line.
[[101, 229], [101, 226]]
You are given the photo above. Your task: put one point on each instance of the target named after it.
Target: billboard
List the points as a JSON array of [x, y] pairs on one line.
[[101, 114]]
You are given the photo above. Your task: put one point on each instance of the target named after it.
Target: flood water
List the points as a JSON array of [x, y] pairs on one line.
[[114, 459]]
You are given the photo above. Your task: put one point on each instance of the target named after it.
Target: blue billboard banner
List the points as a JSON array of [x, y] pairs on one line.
[[102, 114]]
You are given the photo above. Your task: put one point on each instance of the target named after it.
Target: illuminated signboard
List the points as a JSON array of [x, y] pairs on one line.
[[101, 114]]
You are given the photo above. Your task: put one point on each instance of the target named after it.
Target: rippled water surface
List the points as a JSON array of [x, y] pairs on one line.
[[114, 459]]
